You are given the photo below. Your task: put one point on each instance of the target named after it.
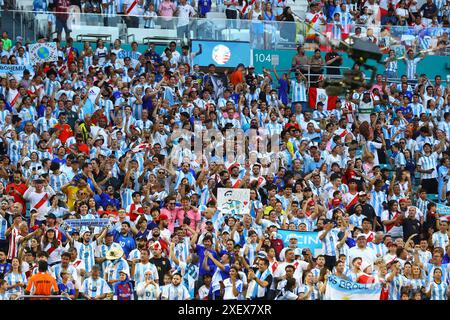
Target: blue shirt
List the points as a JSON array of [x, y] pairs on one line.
[[104, 199], [200, 250], [66, 288], [126, 242]]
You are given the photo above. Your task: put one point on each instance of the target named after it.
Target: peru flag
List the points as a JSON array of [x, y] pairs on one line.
[[319, 94]]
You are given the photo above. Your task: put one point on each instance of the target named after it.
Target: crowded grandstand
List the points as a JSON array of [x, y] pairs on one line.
[[226, 150]]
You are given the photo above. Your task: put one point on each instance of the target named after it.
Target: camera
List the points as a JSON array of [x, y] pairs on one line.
[[186, 220]]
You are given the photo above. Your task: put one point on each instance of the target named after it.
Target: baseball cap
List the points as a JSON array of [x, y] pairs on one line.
[[262, 254]]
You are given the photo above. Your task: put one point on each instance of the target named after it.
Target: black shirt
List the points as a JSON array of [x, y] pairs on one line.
[[163, 267], [410, 227]]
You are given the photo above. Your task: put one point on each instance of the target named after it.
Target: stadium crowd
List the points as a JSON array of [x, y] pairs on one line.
[[385, 22], [94, 137]]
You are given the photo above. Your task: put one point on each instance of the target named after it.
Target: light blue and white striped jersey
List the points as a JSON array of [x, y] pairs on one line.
[[181, 249], [429, 267], [14, 148], [392, 66], [101, 253], [87, 62], [28, 114], [126, 197], [13, 278], [411, 67], [274, 128], [356, 220], [190, 274], [440, 5], [417, 109], [71, 270], [422, 205], [395, 289], [3, 227], [329, 242], [298, 91], [86, 254], [379, 248], [336, 32], [394, 129], [3, 114], [376, 201], [429, 162], [140, 269], [445, 126], [94, 287], [57, 181], [310, 224], [43, 154], [110, 10], [440, 240], [399, 159], [43, 124], [114, 267], [438, 290], [50, 86], [180, 175], [31, 139], [416, 284]]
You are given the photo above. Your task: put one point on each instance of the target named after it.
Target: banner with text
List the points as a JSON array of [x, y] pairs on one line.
[[13, 69], [340, 289], [75, 223], [43, 52], [305, 239], [233, 201], [442, 210]]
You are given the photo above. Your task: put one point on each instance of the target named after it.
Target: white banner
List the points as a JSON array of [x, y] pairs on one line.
[[233, 201], [43, 52], [340, 289], [100, 222]]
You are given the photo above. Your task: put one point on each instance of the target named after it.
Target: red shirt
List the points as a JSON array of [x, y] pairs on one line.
[[82, 147], [21, 188], [65, 132]]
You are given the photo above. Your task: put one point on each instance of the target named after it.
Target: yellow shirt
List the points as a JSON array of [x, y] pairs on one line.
[[72, 195]]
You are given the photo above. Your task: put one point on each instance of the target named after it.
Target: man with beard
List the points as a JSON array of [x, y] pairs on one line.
[[234, 175], [411, 225], [157, 238], [140, 267], [162, 264], [256, 176], [125, 238], [17, 189]]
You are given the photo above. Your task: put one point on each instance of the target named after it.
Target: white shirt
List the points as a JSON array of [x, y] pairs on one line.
[[229, 289], [367, 255], [184, 12]]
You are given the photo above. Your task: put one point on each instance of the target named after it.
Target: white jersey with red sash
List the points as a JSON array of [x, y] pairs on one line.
[[350, 200], [135, 207], [392, 228], [314, 20], [39, 201], [235, 182]]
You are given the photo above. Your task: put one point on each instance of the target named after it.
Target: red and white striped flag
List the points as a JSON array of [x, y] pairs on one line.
[[141, 147]]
